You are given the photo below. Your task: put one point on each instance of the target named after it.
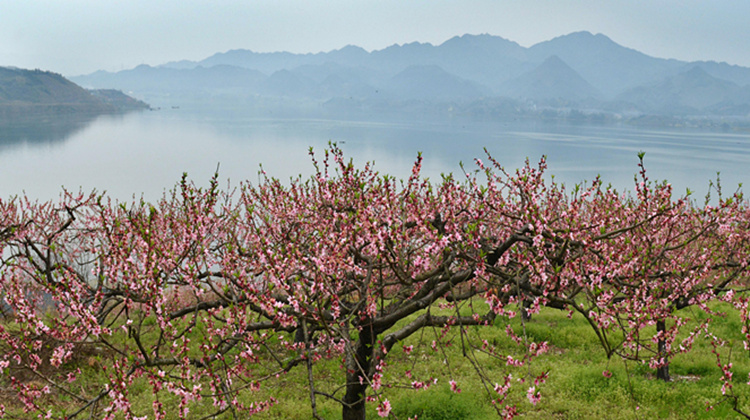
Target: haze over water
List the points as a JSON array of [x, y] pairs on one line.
[[146, 152]]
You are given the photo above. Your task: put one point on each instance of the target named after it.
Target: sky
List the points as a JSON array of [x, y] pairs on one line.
[[74, 37]]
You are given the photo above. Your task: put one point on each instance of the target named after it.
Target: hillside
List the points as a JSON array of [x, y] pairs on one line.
[[119, 100], [24, 92]]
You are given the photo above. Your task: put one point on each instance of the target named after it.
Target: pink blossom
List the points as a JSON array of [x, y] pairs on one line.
[[384, 408], [454, 387], [533, 395]]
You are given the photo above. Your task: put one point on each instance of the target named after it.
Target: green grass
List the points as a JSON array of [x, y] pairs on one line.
[[575, 389]]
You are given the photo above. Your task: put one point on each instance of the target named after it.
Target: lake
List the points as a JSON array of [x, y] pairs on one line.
[[146, 152]]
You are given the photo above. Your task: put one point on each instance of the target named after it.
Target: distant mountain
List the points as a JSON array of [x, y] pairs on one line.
[[581, 69], [738, 103], [486, 59], [319, 72], [551, 80], [430, 82], [336, 80], [286, 84], [35, 91], [146, 79], [735, 74], [606, 65], [263, 62], [397, 57], [270, 63], [481, 49], [690, 92]]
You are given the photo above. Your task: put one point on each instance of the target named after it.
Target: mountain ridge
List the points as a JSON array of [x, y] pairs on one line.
[[595, 71]]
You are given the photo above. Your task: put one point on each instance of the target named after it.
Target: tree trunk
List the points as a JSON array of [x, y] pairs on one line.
[[525, 315], [358, 366], [662, 372]]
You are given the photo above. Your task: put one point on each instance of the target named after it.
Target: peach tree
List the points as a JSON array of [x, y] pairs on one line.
[[209, 296]]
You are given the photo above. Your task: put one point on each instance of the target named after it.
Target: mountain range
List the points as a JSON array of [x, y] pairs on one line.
[[580, 71]]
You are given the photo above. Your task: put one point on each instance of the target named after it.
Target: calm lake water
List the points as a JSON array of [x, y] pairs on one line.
[[146, 152]]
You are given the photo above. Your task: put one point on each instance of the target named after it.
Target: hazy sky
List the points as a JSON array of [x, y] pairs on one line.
[[80, 36]]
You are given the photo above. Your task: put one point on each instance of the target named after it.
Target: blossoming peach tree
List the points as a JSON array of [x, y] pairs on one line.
[[208, 297]]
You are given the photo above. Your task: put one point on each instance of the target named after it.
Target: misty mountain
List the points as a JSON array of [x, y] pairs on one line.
[[25, 92], [319, 72], [267, 63], [735, 74], [397, 57], [270, 63], [690, 92], [551, 80], [336, 81], [286, 84], [578, 69], [486, 59], [738, 103], [606, 65], [430, 82], [146, 79]]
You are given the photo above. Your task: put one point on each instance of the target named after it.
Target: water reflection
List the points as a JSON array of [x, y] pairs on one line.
[[41, 130], [146, 152]]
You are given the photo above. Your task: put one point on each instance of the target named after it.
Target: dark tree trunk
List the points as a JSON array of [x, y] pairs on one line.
[[525, 315], [662, 372], [358, 366]]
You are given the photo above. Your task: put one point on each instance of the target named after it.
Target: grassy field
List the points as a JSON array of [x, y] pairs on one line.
[[576, 388]]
